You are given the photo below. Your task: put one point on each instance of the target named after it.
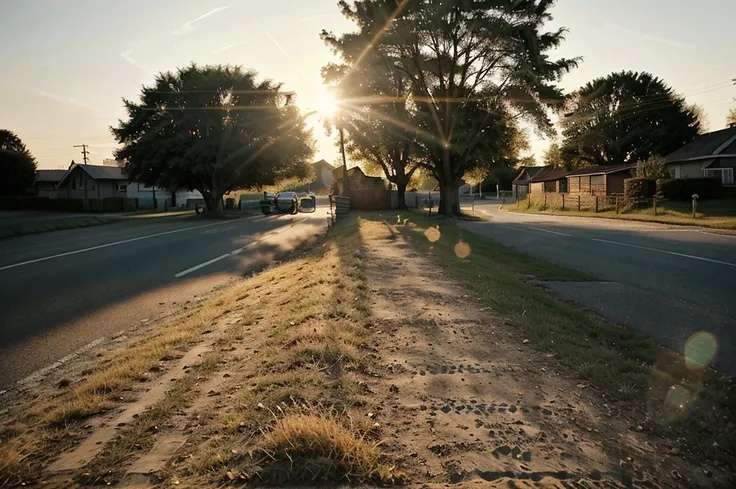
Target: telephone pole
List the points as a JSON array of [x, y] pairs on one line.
[[84, 151]]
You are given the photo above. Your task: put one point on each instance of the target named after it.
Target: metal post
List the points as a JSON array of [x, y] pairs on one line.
[[563, 202], [472, 202], [654, 200], [596, 204], [578, 203], [545, 200], [617, 208], [695, 205], [529, 200]]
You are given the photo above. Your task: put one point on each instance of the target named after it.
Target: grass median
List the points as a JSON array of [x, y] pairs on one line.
[[34, 227], [626, 366]]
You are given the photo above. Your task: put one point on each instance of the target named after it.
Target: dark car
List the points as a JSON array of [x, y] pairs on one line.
[[287, 202]]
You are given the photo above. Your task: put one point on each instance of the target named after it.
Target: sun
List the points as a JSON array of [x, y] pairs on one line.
[[326, 104]]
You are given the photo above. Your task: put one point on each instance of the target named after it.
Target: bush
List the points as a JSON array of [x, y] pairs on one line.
[[639, 189], [112, 204], [683, 189], [24, 203], [66, 205]]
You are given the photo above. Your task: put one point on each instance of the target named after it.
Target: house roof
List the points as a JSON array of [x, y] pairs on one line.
[[601, 170], [323, 163], [49, 175], [550, 176], [98, 172], [528, 172], [721, 142]]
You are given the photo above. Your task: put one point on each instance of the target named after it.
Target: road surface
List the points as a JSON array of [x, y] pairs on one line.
[[667, 282], [62, 290]]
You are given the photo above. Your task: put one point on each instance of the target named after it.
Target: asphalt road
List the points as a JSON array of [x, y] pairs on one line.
[[667, 282], [60, 291]]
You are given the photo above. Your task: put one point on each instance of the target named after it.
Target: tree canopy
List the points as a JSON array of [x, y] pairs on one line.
[[731, 118], [470, 66], [214, 129], [17, 165], [623, 118]]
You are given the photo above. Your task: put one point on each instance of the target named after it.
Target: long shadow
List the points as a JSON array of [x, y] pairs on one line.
[[49, 309]]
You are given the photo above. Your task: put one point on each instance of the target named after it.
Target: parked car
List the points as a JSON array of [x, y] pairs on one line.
[[281, 203]]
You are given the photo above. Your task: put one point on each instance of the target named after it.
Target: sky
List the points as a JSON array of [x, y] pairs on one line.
[[67, 65]]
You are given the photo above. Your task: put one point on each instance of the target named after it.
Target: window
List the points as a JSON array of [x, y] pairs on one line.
[[122, 187], [725, 174], [678, 171]]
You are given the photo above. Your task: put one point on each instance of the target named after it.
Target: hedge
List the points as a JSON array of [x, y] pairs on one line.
[[637, 190], [685, 188], [110, 204]]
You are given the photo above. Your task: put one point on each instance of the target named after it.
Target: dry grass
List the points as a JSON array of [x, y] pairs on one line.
[[300, 340], [319, 447]]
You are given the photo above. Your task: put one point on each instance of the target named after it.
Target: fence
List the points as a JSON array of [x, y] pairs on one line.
[[370, 199], [573, 202]]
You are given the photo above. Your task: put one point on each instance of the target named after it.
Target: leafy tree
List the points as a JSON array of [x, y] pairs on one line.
[[214, 129], [476, 176], [652, 168], [553, 155], [731, 118], [17, 165], [375, 107], [467, 62], [625, 117]]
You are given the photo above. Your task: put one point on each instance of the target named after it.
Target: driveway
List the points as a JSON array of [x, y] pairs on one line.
[[62, 290], [667, 282]]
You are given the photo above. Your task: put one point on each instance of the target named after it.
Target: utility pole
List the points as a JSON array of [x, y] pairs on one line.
[[84, 152]]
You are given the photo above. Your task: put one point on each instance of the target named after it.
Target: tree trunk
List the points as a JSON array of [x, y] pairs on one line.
[[213, 202], [449, 200], [401, 190]]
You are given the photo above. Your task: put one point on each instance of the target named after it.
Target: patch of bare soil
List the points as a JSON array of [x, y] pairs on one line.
[[468, 402]]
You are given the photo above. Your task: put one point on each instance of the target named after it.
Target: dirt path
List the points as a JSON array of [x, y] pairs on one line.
[[467, 400]]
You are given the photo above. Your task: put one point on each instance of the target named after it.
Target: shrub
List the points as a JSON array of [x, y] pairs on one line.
[[112, 204], [66, 205], [652, 168], [639, 189], [683, 189]]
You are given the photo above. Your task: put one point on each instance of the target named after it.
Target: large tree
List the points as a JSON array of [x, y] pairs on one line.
[[467, 62], [17, 165], [374, 103], [214, 129], [623, 118]]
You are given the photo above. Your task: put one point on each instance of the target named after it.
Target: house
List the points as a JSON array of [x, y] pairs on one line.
[[46, 182], [358, 179], [520, 184], [323, 176], [599, 180], [708, 155], [92, 182], [550, 181]]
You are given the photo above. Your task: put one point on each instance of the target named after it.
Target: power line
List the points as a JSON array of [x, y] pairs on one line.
[[84, 152]]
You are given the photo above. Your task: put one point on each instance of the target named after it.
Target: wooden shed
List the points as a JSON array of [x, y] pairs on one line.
[[553, 181], [599, 180]]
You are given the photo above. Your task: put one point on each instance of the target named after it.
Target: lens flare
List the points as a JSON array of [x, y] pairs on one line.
[[433, 234], [462, 249], [700, 350]]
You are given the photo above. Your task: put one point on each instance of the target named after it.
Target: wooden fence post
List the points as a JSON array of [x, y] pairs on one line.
[[563, 202], [617, 205], [529, 200], [655, 206], [578, 203], [545, 201], [596, 204]]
